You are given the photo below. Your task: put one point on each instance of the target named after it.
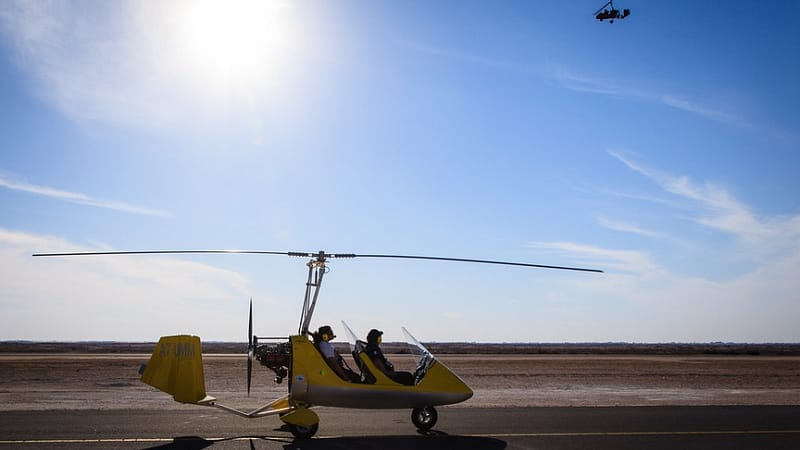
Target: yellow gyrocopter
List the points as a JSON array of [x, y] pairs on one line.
[[176, 365]]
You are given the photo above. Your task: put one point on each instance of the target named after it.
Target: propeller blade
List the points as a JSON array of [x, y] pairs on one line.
[[250, 348], [250, 327]]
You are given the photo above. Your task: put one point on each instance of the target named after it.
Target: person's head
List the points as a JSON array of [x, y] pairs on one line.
[[325, 333], [374, 336]]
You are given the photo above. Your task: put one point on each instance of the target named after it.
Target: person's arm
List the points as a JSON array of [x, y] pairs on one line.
[[334, 364], [383, 368], [378, 361], [330, 358]]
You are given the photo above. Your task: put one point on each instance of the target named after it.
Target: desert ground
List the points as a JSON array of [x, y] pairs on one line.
[[47, 381]]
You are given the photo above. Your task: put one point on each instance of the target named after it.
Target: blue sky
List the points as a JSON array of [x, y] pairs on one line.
[[663, 149]]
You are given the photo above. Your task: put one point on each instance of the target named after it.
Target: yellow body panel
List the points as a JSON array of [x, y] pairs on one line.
[[176, 367], [380, 377], [313, 382], [309, 368], [440, 378], [303, 417]]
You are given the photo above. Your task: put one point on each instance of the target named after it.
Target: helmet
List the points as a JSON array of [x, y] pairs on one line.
[[325, 330], [373, 335]]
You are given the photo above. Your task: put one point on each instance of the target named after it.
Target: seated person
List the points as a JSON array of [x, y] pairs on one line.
[[375, 353], [322, 339]]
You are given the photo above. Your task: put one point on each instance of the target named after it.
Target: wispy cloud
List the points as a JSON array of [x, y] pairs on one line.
[[581, 83], [76, 197], [111, 297], [119, 64], [80, 62], [571, 80], [720, 210], [465, 57], [614, 260], [626, 227]]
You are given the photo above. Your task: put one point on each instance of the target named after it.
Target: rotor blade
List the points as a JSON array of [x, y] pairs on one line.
[[482, 261], [320, 255], [250, 349], [603, 7], [167, 252]]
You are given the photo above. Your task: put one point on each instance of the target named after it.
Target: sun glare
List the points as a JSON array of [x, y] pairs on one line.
[[231, 44]]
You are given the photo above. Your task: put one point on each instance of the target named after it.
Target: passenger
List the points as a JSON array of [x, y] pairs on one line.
[[322, 339], [373, 350]]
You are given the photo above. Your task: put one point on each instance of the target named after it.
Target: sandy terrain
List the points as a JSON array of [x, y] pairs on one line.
[[38, 382]]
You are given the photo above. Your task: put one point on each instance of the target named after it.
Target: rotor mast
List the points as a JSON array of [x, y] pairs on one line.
[[316, 270]]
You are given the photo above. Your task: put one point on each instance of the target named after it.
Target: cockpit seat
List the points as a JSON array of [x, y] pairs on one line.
[[366, 376]]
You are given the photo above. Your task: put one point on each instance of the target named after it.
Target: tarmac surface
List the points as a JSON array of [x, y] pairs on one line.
[[652, 428], [520, 402]]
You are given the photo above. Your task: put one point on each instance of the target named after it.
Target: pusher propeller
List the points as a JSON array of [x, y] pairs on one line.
[[251, 348]]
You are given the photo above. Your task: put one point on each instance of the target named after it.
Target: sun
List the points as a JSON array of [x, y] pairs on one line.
[[231, 43]]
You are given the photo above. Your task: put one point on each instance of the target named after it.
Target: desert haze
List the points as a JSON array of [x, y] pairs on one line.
[[67, 376]]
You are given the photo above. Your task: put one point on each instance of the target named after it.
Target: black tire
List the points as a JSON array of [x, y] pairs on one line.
[[424, 418], [301, 432]]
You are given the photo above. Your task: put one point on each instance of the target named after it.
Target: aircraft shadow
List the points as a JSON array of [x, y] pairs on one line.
[[185, 443], [428, 441]]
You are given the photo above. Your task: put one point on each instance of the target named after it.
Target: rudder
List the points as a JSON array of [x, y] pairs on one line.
[[176, 367]]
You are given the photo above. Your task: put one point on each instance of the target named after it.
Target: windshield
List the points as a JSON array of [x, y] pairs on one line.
[[417, 348], [351, 337], [424, 358]]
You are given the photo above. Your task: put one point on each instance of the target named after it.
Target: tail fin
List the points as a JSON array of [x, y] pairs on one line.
[[176, 367]]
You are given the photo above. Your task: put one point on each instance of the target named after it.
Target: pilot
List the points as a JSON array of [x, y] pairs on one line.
[[373, 350], [322, 339]]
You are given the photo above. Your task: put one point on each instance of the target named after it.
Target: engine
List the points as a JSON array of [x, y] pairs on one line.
[[278, 357]]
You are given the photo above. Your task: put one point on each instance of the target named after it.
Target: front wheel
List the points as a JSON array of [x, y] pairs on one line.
[[302, 432], [424, 418]]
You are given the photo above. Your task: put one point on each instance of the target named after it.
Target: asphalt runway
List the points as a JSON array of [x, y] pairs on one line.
[[653, 428]]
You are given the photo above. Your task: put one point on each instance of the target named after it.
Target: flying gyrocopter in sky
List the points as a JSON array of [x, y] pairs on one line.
[[608, 12]]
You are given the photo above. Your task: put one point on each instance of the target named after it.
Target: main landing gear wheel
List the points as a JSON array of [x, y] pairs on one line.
[[424, 418], [302, 432]]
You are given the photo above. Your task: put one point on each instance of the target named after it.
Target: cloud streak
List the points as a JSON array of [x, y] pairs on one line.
[[578, 83], [625, 227], [758, 237], [464, 57], [81, 64], [77, 198], [719, 209], [573, 81], [108, 297], [614, 260], [678, 301]]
